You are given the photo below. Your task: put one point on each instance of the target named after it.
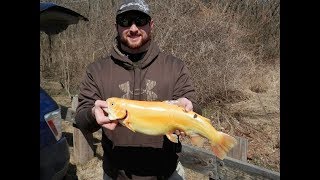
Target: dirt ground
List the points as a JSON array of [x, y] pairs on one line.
[[257, 119]]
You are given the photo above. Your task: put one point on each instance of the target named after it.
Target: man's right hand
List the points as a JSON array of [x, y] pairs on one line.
[[102, 116]]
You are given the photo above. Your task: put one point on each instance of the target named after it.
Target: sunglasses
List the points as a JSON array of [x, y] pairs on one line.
[[127, 21]]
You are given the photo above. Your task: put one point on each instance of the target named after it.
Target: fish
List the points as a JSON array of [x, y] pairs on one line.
[[162, 118]]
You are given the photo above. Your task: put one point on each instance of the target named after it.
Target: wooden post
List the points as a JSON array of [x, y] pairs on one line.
[[82, 141]]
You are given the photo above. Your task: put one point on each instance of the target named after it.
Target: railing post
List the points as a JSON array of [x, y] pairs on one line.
[[82, 141], [240, 150]]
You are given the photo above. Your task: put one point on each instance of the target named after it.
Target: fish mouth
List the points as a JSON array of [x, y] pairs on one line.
[[112, 117]]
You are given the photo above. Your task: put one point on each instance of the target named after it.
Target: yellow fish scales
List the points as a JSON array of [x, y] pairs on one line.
[[162, 118]]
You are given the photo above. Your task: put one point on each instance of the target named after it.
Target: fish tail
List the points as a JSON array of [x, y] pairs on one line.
[[223, 144]]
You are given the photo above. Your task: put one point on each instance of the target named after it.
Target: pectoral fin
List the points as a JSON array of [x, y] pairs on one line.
[[128, 125], [172, 137]]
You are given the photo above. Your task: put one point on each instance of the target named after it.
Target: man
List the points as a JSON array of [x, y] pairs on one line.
[[136, 69]]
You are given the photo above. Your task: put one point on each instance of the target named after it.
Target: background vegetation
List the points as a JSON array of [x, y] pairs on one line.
[[230, 46]]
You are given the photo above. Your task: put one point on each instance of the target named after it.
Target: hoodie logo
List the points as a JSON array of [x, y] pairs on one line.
[[151, 96]]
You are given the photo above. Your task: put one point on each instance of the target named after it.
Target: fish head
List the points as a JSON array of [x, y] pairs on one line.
[[116, 109]]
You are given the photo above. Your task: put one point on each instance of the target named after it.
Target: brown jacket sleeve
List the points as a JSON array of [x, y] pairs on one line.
[[184, 88], [88, 94]]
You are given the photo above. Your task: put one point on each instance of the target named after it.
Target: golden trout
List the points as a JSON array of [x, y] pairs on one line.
[[162, 118]]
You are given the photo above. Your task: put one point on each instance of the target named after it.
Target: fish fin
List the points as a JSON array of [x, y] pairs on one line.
[[201, 117], [225, 143], [172, 137], [196, 140], [128, 125]]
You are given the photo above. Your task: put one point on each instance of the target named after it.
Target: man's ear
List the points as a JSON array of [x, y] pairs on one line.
[[151, 24]]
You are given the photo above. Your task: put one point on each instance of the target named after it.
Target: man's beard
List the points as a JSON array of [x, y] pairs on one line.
[[135, 46]]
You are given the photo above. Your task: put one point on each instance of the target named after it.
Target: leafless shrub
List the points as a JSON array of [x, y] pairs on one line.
[[224, 43]]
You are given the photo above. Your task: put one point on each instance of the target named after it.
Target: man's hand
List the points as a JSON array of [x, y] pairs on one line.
[[182, 102], [102, 116], [185, 103]]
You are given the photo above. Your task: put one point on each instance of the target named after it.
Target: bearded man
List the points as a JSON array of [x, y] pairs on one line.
[[135, 69]]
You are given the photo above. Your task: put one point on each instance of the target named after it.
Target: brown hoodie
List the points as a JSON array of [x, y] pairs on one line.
[[158, 76]]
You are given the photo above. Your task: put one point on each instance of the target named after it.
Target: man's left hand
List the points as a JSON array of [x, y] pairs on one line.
[[185, 103]]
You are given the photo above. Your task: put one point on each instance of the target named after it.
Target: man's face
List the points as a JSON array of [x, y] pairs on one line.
[[134, 29]]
